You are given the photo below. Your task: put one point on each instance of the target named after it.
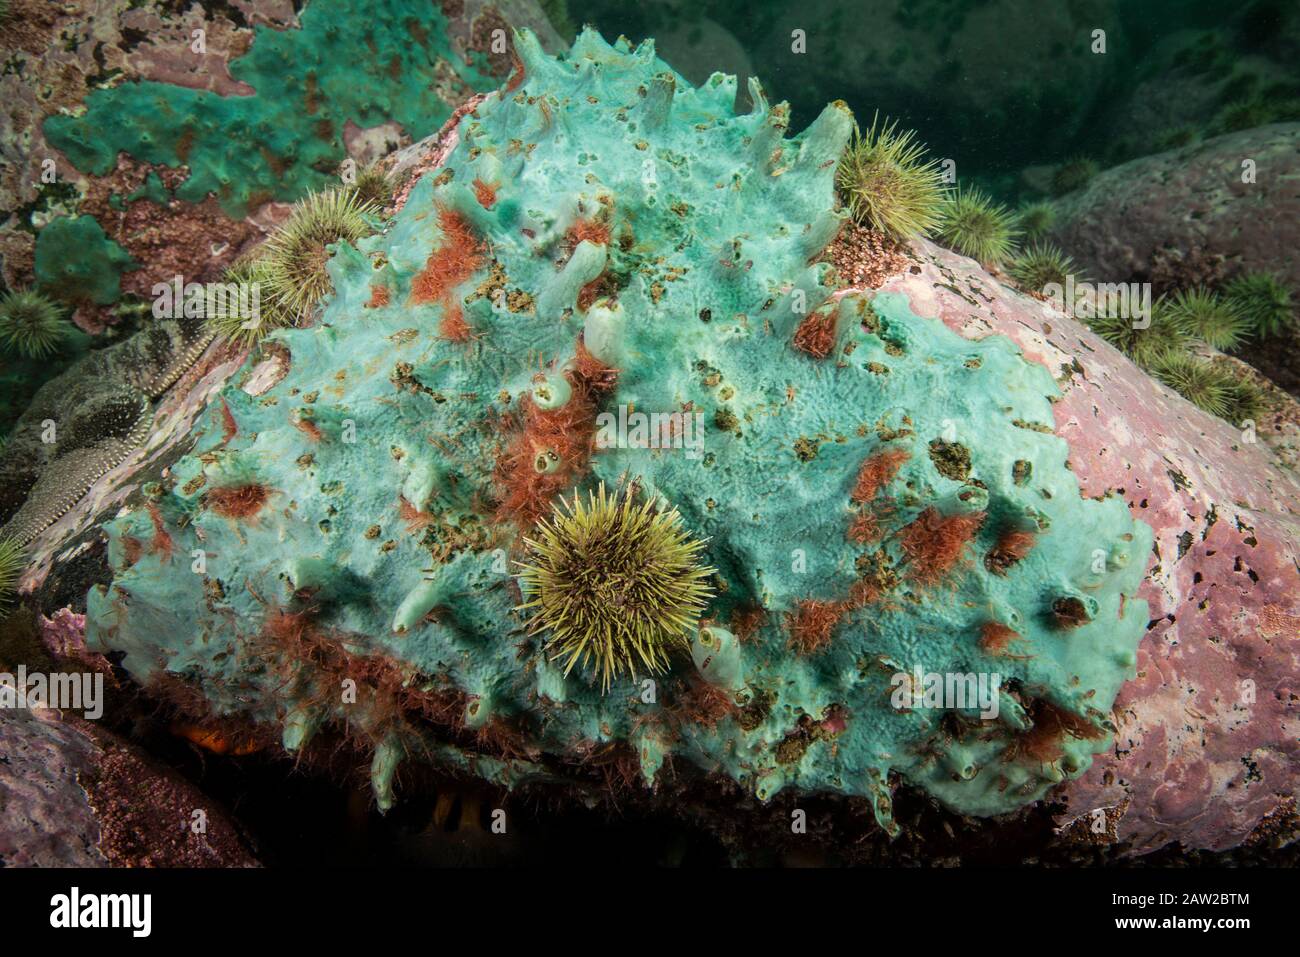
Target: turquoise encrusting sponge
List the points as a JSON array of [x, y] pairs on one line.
[[882, 500]]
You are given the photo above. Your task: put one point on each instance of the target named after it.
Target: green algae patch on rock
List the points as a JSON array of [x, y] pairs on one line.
[[358, 521], [368, 63], [77, 262]]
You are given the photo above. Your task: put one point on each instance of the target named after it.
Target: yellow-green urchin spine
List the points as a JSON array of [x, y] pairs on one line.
[[1203, 314], [1041, 264], [1036, 219], [614, 585], [887, 183], [1073, 174], [372, 187], [11, 566], [233, 325], [1264, 300], [1148, 344], [1198, 381], [30, 324], [976, 226], [294, 272]]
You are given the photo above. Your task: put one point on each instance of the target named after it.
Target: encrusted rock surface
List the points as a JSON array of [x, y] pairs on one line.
[[1207, 742], [1186, 217], [76, 795]]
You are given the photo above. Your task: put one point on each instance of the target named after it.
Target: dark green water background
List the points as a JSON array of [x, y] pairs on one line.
[[1000, 86]]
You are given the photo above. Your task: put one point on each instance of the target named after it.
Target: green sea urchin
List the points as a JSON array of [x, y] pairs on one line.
[[1035, 219], [295, 257], [372, 187], [30, 324], [1144, 344], [1245, 114], [1204, 315], [1264, 301], [1197, 380], [1246, 401], [1039, 265], [11, 565], [976, 226], [1073, 174], [1176, 138], [233, 325], [616, 586], [889, 185]]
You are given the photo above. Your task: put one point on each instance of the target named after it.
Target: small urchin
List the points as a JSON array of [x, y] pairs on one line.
[[1039, 265], [1199, 381], [233, 325], [1218, 322], [976, 226], [30, 324], [1146, 343], [889, 185], [11, 566], [296, 255], [372, 187], [1265, 302], [614, 585], [1036, 219], [1073, 174]]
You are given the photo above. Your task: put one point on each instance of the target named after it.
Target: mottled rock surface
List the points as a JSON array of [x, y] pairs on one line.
[[1185, 217], [1207, 742], [76, 795]]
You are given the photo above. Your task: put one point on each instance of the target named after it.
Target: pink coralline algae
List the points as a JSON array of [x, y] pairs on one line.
[[1207, 739]]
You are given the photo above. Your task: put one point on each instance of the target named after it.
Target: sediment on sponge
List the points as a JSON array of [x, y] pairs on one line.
[[865, 528], [614, 586], [997, 639], [458, 255], [816, 334], [812, 622], [934, 543], [877, 471], [551, 447], [1051, 728], [237, 501], [1012, 545]]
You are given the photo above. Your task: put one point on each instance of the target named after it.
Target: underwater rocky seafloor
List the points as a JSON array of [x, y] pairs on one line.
[[305, 556]]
